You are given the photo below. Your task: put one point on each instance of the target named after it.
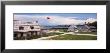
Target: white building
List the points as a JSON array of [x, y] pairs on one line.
[[26, 29]]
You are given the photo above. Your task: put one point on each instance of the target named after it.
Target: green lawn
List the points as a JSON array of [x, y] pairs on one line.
[[54, 33], [63, 30], [50, 34], [95, 33], [74, 37], [62, 37]]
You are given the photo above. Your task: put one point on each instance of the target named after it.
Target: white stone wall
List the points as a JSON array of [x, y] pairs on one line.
[[26, 26]]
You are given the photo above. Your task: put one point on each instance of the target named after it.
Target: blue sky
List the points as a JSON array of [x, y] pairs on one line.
[[79, 15], [57, 18]]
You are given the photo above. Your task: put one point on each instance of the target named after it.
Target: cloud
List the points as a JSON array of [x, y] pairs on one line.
[[90, 20], [54, 20], [23, 17], [63, 20]]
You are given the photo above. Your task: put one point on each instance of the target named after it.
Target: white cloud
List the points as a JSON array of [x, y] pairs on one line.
[[90, 20], [22, 17], [63, 20], [53, 19]]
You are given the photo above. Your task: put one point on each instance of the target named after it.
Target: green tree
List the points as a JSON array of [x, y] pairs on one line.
[[93, 24]]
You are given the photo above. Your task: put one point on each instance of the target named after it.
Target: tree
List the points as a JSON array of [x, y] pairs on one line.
[[93, 24]]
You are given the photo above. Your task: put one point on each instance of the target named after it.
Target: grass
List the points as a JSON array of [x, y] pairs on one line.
[[74, 37], [50, 34], [62, 37], [95, 33], [63, 30]]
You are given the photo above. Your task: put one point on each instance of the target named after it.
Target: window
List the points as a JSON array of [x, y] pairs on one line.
[[21, 28], [31, 27]]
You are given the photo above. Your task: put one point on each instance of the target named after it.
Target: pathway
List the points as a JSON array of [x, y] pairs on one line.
[[47, 37]]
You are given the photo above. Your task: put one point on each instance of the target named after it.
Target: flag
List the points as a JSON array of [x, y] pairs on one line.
[[48, 17]]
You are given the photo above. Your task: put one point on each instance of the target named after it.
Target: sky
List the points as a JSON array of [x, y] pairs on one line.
[[57, 18]]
